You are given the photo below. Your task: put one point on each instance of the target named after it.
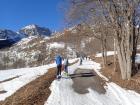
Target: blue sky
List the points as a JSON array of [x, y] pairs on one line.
[[15, 14]]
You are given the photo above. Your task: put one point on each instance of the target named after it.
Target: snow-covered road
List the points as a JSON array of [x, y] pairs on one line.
[[64, 94]]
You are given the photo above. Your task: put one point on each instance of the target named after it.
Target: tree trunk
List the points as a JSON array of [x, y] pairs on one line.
[[115, 55], [135, 36], [121, 60], [105, 50], [103, 54], [125, 49]]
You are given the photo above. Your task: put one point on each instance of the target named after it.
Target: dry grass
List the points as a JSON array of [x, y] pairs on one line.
[[34, 93], [115, 76]]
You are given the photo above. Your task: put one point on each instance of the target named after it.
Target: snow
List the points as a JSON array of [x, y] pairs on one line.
[[137, 26], [109, 53], [124, 97], [46, 38], [138, 47], [26, 40], [70, 52], [62, 92], [93, 65], [72, 29], [137, 59], [2, 39], [24, 76], [30, 26], [57, 45]]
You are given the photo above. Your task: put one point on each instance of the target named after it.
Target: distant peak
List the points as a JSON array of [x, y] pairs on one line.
[[31, 26]]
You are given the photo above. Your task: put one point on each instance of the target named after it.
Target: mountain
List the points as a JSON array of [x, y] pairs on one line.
[[34, 51], [35, 30], [8, 37]]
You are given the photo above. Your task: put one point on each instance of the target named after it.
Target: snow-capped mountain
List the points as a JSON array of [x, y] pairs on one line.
[[8, 37], [35, 30], [8, 34]]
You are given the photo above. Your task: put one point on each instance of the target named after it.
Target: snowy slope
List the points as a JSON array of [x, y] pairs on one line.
[[8, 37], [64, 94], [35, 30], [23, 76], [28, 51]]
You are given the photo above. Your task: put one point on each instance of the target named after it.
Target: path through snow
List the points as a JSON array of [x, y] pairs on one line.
[[63, 93], [13, 79]]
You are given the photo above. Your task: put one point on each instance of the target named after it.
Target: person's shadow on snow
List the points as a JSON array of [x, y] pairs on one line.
[[81, 84]]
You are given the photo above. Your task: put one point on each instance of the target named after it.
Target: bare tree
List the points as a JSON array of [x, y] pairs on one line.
[[120, 15]]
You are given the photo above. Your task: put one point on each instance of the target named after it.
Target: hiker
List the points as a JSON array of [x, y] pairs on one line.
[[86, 57], [58, 60], [81, 60], [66, 63]]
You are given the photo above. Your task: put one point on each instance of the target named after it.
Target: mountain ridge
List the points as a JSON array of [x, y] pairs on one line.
[[9, 37]]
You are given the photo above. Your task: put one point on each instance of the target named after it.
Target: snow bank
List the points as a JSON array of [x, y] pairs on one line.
[[124, 97], [26, 75]]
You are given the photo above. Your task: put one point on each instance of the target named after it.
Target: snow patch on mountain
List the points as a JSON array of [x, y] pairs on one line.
[[35, 30], [26, 40], [30, 26], [56, 45]]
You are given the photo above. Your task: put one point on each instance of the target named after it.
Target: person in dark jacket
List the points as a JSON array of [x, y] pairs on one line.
[[81, 60], [58, 60]]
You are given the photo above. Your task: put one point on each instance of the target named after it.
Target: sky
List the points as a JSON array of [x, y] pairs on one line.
[[15, 14]]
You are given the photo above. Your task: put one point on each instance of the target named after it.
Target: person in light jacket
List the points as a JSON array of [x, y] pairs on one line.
[[66, 63]]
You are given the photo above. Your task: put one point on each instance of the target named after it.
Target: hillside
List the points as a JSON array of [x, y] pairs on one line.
[[9, 37], [36, 50]]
